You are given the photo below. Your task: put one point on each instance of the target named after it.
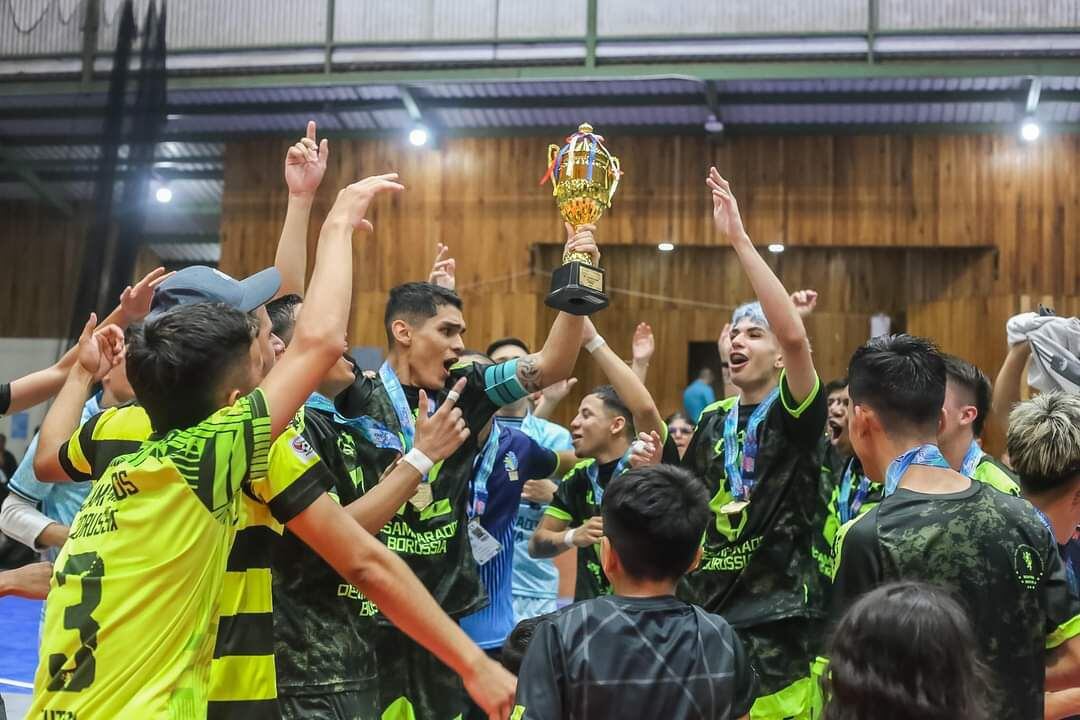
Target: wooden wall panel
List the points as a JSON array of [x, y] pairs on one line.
[[952, 232], [40, 252]]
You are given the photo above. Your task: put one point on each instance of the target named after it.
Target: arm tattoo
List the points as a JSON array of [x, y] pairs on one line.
[[545, 547], [528, 373]]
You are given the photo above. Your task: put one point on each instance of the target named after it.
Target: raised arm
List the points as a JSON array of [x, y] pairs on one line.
[[642, 349], [99, 351], [305, 165], [1008, 382], [627, 384], [322, 324], [784, 319], [556, 360]]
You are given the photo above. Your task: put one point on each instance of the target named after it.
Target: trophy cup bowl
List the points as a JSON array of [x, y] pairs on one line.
[[584, 175]]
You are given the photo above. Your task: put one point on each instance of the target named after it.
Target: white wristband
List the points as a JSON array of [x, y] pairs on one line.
[[568, 538], [596, 342], [419, 460]]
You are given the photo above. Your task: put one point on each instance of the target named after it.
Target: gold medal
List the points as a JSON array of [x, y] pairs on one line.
[[422, 497], [734, 507]]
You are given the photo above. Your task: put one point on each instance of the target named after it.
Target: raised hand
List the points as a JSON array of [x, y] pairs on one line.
[[135, 301], [305, 163], [646, 450], [353, 200], [557, 392], [581, 239], [644, 344], [726, 216], [439, 435], [589, 533], [100, 350], [723, 344], [804, 301], [443, 272]]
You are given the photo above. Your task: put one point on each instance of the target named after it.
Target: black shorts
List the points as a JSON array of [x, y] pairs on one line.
[[343, 705], [413, 683]]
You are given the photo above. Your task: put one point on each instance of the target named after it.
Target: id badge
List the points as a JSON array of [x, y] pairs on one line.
[[484, 545]]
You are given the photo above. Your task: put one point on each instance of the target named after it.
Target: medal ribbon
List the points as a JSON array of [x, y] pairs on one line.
[[593, 473], [971, 460], [401, 407], [928, 455], [741, 470], [376, 433], [849, 508], [482, 467]]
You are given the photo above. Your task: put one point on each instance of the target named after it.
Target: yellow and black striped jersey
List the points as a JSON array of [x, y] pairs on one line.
[[132, 621]]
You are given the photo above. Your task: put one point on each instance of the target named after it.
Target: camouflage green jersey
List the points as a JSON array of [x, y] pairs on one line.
[[758, 568], [575, 502], [322, 624], [432, 541], [998, 559], [858, 503]]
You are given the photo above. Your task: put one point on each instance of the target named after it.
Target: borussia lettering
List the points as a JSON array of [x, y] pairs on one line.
[[89, 524]]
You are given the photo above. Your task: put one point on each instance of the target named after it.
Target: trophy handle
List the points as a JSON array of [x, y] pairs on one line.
[[553, 150]]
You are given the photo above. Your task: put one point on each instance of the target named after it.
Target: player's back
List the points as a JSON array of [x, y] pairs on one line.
[[132, 612]]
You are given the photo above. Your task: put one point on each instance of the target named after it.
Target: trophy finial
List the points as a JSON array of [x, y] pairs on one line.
[[584, 128]]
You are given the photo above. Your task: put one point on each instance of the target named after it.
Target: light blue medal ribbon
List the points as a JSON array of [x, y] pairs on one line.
[[593, 472], [741, 469], [482, 467], [927, 455], [971, 460], [401, 408], [1070, 571], [849, 507]]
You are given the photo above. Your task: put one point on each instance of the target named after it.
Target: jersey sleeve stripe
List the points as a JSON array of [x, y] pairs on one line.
[[558, 514], [1066, 631], [304, 490], [73, 472], [245, 634], [789, 402]]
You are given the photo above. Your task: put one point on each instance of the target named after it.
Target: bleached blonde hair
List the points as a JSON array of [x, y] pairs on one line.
[[1044, 440]]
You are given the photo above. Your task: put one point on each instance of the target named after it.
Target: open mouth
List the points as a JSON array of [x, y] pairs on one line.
[[737, 361], [835, 430], [447, 364]]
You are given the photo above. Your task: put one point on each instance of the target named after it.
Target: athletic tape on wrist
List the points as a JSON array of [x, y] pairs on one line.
[[595, 343], [568, 538], [419, 460]]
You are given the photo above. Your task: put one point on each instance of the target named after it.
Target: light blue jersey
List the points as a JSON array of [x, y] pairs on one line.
[[56, 501], [532, 577]]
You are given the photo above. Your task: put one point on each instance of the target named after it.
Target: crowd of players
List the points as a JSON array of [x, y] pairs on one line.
[[242, 524]]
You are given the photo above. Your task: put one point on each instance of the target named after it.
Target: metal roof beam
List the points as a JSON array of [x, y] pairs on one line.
[[12, 166], [770, 70]]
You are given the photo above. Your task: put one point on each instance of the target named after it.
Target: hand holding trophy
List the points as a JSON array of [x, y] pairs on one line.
[[584, 175]]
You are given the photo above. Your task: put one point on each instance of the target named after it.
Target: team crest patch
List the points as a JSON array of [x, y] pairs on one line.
[[510, 462], [303, 450], [1028, 565]]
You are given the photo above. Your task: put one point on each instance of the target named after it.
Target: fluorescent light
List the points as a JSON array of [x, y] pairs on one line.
[[418, 136], [163, 194], [776, 248], [1030, 130], [665, 247]]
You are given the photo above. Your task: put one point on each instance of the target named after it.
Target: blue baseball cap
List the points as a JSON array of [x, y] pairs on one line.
[[199, 284]]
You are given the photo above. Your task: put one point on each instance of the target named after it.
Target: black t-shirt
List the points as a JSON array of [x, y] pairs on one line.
[[997, 558], [759, 566], [621, 657], [5, 397], [575, 502], [322, 624], [433, 541]]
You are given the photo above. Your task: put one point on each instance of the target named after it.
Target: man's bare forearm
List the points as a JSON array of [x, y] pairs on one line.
[[291, 256], [60, 423], [556, 360], [547, 544], [379, 505]]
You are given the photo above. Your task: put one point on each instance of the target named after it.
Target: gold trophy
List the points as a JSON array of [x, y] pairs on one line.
[[584, 175]]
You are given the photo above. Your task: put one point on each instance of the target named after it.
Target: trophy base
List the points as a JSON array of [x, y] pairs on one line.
[[578, 289]]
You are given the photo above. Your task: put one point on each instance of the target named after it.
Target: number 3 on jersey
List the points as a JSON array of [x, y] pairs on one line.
[[78, 617]]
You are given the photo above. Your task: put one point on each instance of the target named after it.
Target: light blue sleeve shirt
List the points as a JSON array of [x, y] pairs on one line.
[[532, 577], [57, 501], [697, 396]]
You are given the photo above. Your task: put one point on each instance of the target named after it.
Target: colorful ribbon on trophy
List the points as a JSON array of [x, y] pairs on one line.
[[586, 141]]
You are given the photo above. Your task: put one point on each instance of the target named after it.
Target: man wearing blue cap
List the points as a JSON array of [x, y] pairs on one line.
[[760, 455]]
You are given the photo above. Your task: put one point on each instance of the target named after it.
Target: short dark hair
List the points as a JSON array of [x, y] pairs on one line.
[[614, 405], [974, 380], [902, 378], [178, 360], [517, 642], [905, 651], [416, 301], [655, 518], [835, 385], [282, 312], [503, 342]]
